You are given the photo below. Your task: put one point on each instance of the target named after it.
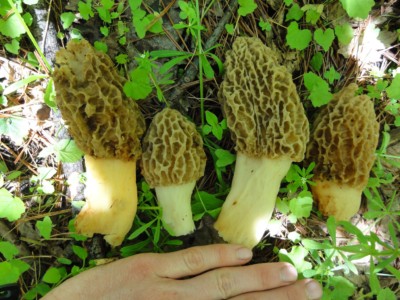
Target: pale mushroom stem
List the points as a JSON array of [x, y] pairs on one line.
[[335, 199], [248, 208], [111, 199], [175, 202]]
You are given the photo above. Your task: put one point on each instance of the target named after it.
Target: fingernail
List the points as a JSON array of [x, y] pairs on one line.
[[288, 273], [244, 253], [313, 290]]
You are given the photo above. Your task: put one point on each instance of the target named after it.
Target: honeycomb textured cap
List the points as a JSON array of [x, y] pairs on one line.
[[261, 104], [344, 138], [103, 122], [173, 151]]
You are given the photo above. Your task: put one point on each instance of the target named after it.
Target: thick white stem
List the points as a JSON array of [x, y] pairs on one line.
[[111, 199], [338, 200], [248, 208], [175, 202]]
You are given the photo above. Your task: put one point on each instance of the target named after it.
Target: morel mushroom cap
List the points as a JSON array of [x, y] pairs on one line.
[[269, 126], [102, 120], [172, 161], [343, 142], [173, 151], [261, 104]]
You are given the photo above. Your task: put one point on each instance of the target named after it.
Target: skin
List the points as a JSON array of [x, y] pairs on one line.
[[206, 272]]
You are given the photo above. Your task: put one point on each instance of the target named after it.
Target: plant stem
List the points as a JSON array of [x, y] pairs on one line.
[[31, 37]]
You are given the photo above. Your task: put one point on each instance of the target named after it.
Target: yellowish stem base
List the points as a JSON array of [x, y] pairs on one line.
[[248, 208], [111, 199], [338, 200], [176, 209]]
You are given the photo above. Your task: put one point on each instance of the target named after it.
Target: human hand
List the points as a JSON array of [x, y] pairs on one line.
[[206, 272]]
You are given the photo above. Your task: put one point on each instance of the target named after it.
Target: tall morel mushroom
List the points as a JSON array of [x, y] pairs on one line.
[[343, 142], [269, 126], [173, 160], [107, 127]]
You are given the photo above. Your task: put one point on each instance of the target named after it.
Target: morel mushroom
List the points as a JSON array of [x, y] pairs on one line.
[[107, 127], [343, 142], [173, 160], [269, 126]]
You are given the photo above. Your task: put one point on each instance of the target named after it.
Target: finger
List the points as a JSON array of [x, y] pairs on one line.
[[197, 260], [306, 289], [228, 282]]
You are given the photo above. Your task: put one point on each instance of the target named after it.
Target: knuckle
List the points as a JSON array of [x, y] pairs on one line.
[[225, 284], [194, 260]]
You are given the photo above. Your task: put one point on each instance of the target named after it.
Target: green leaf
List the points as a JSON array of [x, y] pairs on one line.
[[225, 158], [358, 8], [246, 7], [8, 250], [52, 275], [294, 13], [11, 207], [15, 129], [317, 61], [80, 252], [104, 14], [344, 33], [28, 19], [301, 206], [9, 273], [215, 127], [324, 39], [67, 151], [100, 46], [22, 83], [64, 261], [288, 2], [331, 75], [45, 227], [265, 25], [207, 69], [282, 206], [314, 245], [139, 87], [107, 4], [67, 18], [386, 294], [121, 59], [13, 47], [342, 287], [50, 94], [205, 203], [393, 90], [312, 16], [318, 88], [85, 9], [230, 28], [296, 38], [12, 26], [141, 229], [297, 257]]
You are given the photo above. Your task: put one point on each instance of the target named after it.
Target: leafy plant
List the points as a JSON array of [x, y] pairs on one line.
[[319, 90], [214, 126], [296, 38], [11, 207]]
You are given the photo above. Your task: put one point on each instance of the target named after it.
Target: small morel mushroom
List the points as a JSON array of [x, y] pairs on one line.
[[342, 144], [269, 126], [173, 160], [107, 127]]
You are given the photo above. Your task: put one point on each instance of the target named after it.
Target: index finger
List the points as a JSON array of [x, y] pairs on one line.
[[196, 260]]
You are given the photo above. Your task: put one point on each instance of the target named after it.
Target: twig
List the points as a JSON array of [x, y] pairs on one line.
[[192, 70]]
